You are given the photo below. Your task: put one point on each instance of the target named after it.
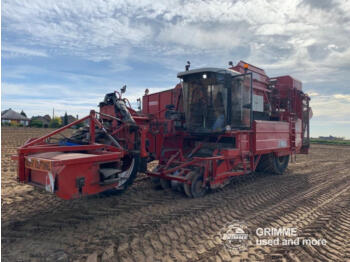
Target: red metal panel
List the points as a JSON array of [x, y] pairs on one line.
[[66, 168], [285, 83], [271, 135], [38, 177], [166, 98], [288, 81], [156, 103]]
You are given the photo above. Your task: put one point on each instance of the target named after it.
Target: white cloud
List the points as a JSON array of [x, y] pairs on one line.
[[342, 97], [334, 108], [311, 94], [15, 51], [296, 37], [110, 30]]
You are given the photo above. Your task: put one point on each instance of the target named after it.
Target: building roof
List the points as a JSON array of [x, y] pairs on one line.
[[70, 119], [9, 114], [208, 69], [43, 119]]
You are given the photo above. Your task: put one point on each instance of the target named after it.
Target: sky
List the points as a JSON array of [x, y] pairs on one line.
[[67, 54]]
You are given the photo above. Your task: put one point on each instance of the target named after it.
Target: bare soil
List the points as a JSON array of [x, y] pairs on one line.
[[144, 224]]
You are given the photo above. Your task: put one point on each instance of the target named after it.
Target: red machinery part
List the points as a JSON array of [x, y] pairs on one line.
[[67, 171], [263, 122]]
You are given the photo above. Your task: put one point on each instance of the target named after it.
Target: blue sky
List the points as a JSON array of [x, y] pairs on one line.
[[68, 54]]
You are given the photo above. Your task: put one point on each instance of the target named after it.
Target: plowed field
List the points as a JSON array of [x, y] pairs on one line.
[[144, 224]]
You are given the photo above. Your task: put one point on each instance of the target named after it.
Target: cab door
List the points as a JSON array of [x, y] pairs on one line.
[[239, 102]]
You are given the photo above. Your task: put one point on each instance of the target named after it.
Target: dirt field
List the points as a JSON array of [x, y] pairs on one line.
[[144, 224]]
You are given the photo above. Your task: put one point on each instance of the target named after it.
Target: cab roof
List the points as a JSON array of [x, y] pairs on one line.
[[208, 69]]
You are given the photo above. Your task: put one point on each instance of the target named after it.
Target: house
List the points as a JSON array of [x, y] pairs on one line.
[[331, 138], [11, 117], [45, 120], [71, 119]]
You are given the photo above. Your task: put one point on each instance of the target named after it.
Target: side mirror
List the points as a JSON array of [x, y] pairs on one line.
[[123, 89], [139, 103]]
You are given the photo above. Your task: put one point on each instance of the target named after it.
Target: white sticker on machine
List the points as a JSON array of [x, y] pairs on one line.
[[282, 143], [153, 103], [258, 103], [50, 183]]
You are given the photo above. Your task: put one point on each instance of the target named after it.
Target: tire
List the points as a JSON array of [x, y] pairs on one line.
[[155, 181], [177, 186], [280, 164], [197, 189], [165, 183], [270, 163], [187, 187]]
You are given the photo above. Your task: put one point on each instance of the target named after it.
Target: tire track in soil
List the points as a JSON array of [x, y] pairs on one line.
[[197, 208], [44, 200], [215, 249]]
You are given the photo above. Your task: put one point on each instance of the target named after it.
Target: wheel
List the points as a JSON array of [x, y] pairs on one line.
[[177, 186], [156, 183], [187, 187], [280, 164], [197, 188], [165, 183], [273, 164], [155, 180]]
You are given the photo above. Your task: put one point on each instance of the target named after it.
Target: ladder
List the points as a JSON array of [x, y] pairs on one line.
[[292, 134]]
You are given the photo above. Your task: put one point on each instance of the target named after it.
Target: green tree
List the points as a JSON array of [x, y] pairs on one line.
[[55, 122], [23, 114], [65, 119], [36, 123]]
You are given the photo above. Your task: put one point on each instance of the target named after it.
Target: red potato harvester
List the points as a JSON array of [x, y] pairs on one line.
[[214, 125]]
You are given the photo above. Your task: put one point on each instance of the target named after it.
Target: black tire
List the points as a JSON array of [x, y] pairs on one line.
[[187, 187], [271, 163], [155, 181], [177, 186], [165, 183], [281, 164], [197, 188]]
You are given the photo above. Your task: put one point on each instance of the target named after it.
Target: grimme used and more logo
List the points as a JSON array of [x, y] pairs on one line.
[[235, 235]]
